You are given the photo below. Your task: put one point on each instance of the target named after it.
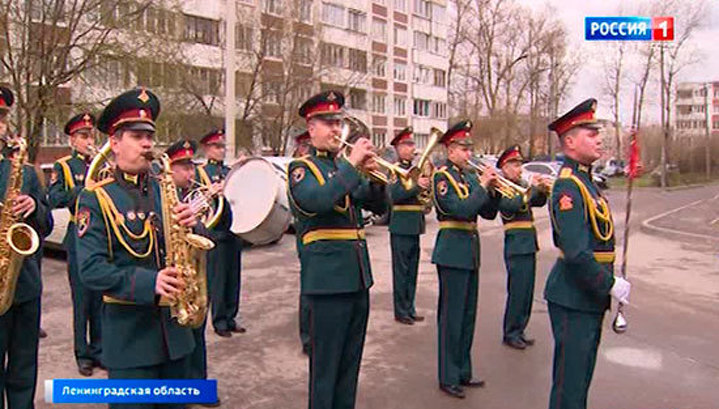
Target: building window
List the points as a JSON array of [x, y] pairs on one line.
[[400, 36], [333, 14], [243, 37], [421, 108], [306, 11], [357, 60], [439, 110], [439, 46], [440, 78], [422, 41], [378, 103], [358, 99], [333, 55], [378, 138], [421, 140], [423, 8], [400, 106], [272, 43], [201, 30], [400, 5], [303, 50], [437, 12], [379, 30], [356, 21], [716, 125], [379, 66], [273, 7], [400, 71], [422, 75], [271, 91]]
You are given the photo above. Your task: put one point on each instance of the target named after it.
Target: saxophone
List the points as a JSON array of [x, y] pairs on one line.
[[186, 252], [17, 240]]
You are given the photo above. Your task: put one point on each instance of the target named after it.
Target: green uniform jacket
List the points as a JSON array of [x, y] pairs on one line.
[[68, 179], [136, 330], [329, 193], [29, 283], [212, 172], [581, 278], [459, 197], [407, 215], [520, 236]]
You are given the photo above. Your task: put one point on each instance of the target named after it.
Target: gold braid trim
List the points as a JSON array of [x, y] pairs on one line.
[[108, 207], [590, 207]]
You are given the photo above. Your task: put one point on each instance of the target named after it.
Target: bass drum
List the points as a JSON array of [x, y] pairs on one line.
[[256, 192]]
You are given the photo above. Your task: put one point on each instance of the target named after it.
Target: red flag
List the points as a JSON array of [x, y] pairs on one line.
[[635, 162]]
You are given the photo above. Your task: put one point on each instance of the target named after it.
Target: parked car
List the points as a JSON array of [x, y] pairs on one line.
[[61, 218], [613, 167], [552, 169]]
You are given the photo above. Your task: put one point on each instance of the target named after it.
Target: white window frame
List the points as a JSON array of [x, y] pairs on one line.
[[399, 72], [379, 103]]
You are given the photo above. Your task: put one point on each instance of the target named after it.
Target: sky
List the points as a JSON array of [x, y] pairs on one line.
[[588, 82]]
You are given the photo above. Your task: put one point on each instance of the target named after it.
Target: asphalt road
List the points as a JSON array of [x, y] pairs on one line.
[[669, 358]]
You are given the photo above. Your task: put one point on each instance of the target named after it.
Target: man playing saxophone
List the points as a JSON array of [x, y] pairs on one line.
[[23, 201], [326, 193], [66, 182], [120, 251], [405, 226], [460, 197]]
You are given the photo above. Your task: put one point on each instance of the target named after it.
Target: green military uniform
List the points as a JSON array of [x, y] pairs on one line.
[[578, 287], [520, 250], [405, 226], [120, 251], [459, 199], [68, 179], [224, 262], [326, 196], [19, 326]]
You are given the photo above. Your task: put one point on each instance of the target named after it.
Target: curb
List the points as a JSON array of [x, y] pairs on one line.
[[665, 232]]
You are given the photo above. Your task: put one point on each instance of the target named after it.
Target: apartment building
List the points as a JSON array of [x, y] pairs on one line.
[[389, 57], [693, 99]]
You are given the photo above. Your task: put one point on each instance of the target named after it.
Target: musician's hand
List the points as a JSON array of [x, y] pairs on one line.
[[370, 165], [3, 128], [168, 283], [620, 290], [423, 182], [184, 215], [546, 182], [362, 150], [488, 177], [24, 206], [217, 187]]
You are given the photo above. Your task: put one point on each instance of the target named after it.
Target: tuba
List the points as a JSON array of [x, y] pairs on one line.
[[426, 168], [17, 239], [186, 252]]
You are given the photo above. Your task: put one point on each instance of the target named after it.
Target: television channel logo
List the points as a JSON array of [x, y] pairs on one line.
[[629, 28]]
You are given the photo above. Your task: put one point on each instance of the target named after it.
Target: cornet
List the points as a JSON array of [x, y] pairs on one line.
[[505, 187]]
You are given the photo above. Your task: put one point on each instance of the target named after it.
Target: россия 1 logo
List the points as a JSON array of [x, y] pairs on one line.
[[629, 28]]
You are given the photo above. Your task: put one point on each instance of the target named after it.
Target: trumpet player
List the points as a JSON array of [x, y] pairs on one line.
[[327, 192], [20, 324], [405, 226], [66, 181], [520, 247], [224, 262], [460, 196], [582, 280], [118, 250]]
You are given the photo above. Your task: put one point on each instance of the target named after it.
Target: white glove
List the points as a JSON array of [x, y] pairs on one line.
[[620, 290]]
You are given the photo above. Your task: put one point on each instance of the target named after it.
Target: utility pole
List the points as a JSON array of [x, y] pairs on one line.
[[707, 147], [230, 100], [665, 126]]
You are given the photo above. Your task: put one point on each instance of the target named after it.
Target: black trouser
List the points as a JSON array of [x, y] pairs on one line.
[[19, 328], [520, 294], [405, 262], [177, 369]]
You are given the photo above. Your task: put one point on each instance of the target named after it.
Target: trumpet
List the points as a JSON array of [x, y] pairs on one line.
[[377, 176], [505, 187]]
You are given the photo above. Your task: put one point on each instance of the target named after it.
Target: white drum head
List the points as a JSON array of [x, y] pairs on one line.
[[251, 189]]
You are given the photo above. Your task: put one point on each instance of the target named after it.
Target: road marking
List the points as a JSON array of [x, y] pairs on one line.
[[648, 222], [634, 357]]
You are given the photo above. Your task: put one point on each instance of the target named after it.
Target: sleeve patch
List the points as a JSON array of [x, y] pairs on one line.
[[83, 221], [298, 174], [442, 187], [565, 202]]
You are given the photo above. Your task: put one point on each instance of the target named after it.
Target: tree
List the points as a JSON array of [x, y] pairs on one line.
[[613, 68], [46, 44]]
